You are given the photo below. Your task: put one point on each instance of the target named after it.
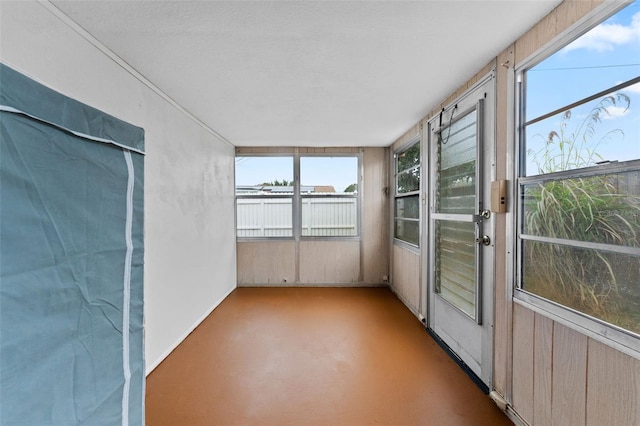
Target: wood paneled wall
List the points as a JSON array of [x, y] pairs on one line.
[[562, 377], [563, 17], [273, 263], [375, 216], [323, 261], [502, 303], [329, 262], [406, 277]]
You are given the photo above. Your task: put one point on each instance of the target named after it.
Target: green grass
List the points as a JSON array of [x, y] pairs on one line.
[[601, 209]]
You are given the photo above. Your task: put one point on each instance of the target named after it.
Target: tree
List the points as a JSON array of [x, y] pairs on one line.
[[278, 183], [352, 188]]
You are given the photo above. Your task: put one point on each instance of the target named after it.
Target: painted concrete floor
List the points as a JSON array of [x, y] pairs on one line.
[[313, 356]]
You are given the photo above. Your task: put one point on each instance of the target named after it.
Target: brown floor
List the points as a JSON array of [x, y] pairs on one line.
[[313, 356]]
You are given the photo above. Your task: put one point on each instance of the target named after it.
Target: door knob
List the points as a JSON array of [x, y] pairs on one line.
[[484, 240]]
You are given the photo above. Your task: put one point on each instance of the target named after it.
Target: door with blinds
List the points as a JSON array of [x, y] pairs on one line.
[[461, 228]]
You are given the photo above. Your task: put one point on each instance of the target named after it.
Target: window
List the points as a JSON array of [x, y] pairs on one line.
[[579, 177], [407, 195], [329, 196], [270, 203], [264, 197]]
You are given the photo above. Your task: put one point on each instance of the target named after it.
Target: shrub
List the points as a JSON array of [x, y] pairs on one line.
[[604, 208]]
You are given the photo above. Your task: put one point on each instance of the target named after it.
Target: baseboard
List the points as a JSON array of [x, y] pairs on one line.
[[473, 376], [152, 366], [293, 284], [515, 417], [406, 303]]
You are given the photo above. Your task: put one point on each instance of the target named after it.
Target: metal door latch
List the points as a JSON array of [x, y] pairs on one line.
[[484, 240], [485, 214]]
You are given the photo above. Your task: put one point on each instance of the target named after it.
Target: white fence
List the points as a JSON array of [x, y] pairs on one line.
[[321, 216]]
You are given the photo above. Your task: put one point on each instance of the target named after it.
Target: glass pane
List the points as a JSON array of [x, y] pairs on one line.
[[408, 230], [264, 175], [456, 163], [455, 272], [409, 158], [602, 58], [329, 216], [601, 130], [408, 181], [264, 217], [328, 174], [600, 209], [408, 207], [600, 284], [268, 216]]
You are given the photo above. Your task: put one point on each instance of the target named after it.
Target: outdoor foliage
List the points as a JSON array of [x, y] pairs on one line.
[[600, 209], [408, 167], [276, 182], [352, 188], [409, 181]]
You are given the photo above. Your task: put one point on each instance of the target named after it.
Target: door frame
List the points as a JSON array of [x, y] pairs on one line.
[[488, 155]]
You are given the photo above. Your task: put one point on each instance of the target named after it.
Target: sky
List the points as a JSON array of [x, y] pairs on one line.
[[339, 172], [607, 55]]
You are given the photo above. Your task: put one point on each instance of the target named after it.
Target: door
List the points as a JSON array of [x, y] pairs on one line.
[[460, 283]]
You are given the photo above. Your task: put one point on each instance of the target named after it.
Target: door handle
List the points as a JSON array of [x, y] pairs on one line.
[[484, 240], [486, 214]]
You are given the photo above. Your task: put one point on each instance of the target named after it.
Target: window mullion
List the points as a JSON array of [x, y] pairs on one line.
[[634, 251], [297, 199], [584, 101]]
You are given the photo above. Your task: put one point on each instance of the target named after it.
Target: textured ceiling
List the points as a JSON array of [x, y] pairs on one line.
[[307, 73]]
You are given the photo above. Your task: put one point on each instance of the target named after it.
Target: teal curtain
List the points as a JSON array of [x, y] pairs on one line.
[[71, 260]]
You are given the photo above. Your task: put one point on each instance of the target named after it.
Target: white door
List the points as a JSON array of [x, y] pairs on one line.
[[460, 283]]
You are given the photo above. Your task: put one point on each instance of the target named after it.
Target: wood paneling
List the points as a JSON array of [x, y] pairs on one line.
[[321, 262], [408, 136], [613, 389], [375, 216], [569, 376], [574, 10], [564, 16], [562, 377], [502, 303], [266, 262], [523, 362], [406, 277], [528, 43], [329, 262], [542, 369]]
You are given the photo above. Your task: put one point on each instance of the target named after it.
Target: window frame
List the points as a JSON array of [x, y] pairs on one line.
[[612, 335], [417, 140], [297, 197], [357, 196], [260, 197]]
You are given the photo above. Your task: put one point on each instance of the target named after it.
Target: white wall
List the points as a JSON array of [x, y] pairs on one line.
[[190, 253]]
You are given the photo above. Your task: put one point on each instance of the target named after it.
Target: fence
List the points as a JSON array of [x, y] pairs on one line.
[[272, 217]]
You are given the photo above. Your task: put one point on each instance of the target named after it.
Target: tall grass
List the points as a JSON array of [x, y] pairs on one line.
[[596, 209]]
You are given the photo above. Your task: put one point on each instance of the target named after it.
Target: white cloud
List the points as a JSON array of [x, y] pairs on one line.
[[606, 37], [614, 112], [635, 88]]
